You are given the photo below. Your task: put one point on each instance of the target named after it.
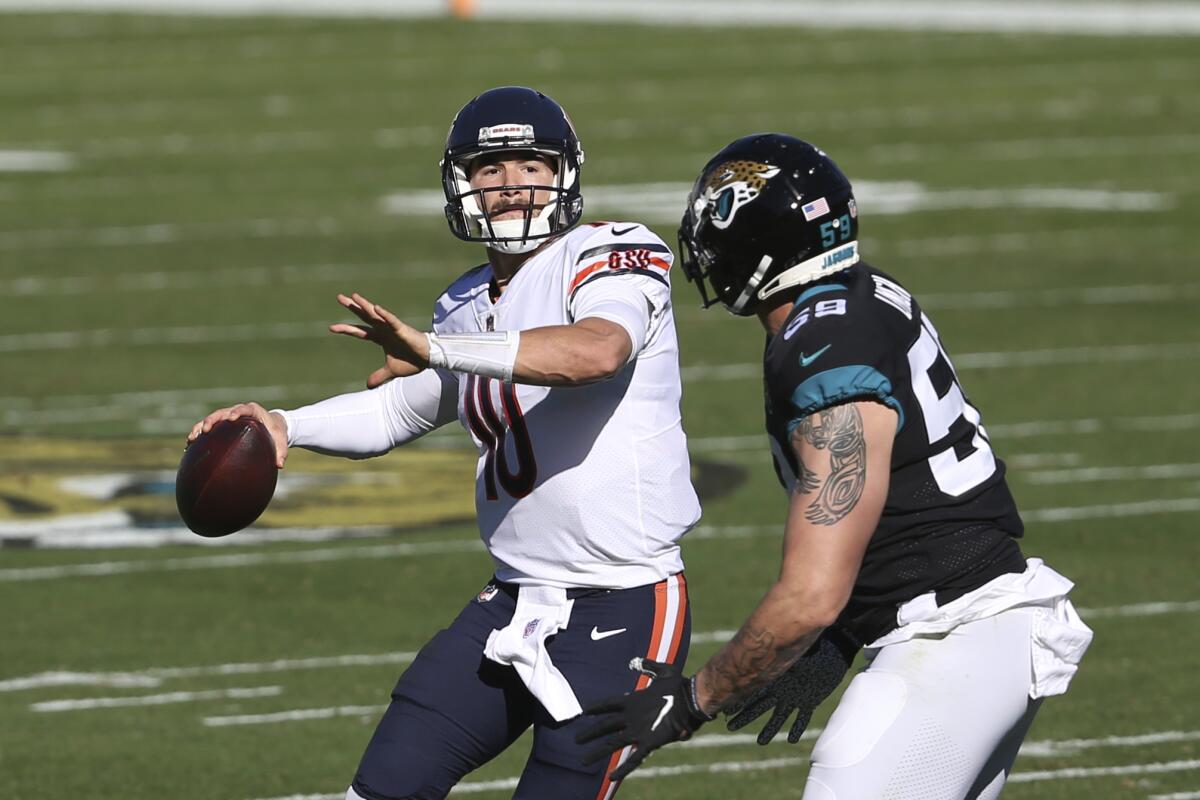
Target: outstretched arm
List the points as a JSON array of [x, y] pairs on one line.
[[592, 349], [355, 425], [845, 451]]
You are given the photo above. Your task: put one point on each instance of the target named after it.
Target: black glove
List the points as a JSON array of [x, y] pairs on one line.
[[663, 712], [802, 688]]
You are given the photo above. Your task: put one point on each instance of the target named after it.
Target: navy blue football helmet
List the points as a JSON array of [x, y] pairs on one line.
[[512, 118], [767, 214]]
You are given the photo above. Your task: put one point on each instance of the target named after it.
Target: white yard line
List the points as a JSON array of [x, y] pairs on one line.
[[662, 201], [1146, 472], [1054, 356], [161, 281], [1050, 748], [88, 703], [171, 232], [35, 161], [994, 16], [108, 568], [154, 676], [719, 767], [1162, 146], [906, 117], [1176, 796], [1007, 430], [1099, 772], [1182, 505], [295, 715], [1089, 425]]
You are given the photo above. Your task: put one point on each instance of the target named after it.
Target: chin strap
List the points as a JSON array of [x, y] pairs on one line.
[[827, 263]]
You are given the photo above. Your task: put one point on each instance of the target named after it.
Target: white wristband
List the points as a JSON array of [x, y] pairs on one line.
[[492, 354]]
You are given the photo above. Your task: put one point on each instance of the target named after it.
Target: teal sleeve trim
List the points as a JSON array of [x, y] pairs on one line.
[[843, 383], [816, 290]]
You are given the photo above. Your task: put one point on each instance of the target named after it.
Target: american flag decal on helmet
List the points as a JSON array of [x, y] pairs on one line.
[[817, 208]]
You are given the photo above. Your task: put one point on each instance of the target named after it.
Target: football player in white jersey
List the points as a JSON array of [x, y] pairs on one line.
[[901, 534], [559, 357]]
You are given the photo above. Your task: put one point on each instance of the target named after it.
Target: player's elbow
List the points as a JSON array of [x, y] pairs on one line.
[[602, 359], [823, 613], [818, 602], [609, 361]]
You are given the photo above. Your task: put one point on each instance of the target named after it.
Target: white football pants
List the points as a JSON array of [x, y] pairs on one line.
[[937, 718]]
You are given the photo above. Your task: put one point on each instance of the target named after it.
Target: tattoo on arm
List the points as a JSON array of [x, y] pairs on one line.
[[751, 660], [840, 431]]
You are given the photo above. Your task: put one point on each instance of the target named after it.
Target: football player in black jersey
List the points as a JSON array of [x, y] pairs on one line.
[[901, 534]]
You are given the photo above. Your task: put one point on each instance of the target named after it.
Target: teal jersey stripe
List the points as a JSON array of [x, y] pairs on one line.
[[816, 290], [843, 383]]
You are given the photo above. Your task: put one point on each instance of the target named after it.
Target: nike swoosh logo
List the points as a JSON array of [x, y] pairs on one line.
[[616, 232], [806, 360], [597, 635], [668, 704]]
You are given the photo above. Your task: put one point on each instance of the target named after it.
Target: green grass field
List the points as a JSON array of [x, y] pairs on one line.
[[226, 178]]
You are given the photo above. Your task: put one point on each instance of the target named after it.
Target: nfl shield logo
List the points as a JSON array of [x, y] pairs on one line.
[[488, 593], [530, 627]]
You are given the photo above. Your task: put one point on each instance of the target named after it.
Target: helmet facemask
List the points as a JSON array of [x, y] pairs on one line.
[[466, 209], [733, 283]]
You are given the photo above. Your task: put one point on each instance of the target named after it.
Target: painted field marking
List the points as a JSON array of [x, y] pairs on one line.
[[1176, 796], [473, 787], [295, 715], [652, 201], [1181, 505], [1044, 148], [1147, 472], [161, 281], [35, 161], [88, 703], [907, 117], [1049, 748], [155, 676], [1089, 425], [225, 561], [662, 201], [1098, 772], [171, 232], [1054, 356]]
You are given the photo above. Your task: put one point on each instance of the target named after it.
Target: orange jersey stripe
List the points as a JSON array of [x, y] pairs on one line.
[[660, 622], [603, 794], [677, 639], [585, 272]]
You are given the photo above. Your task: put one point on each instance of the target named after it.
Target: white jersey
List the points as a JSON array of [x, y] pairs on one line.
[[586, 485]]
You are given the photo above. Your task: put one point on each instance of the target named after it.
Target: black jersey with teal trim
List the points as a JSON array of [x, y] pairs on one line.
[[949, 522]]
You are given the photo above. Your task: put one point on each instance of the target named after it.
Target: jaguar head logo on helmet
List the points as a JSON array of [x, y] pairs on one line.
[[483, 202], [730, 186], [768, 213]]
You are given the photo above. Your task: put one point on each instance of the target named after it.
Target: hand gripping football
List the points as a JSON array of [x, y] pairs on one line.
[[226, 477]]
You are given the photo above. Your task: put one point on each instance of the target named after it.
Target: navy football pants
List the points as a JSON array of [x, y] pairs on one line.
[[454, 710]]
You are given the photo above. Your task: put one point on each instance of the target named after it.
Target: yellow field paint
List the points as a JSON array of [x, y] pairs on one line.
[[43, 479]]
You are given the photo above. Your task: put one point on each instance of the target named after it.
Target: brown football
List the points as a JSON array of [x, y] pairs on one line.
[[226, 478]]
